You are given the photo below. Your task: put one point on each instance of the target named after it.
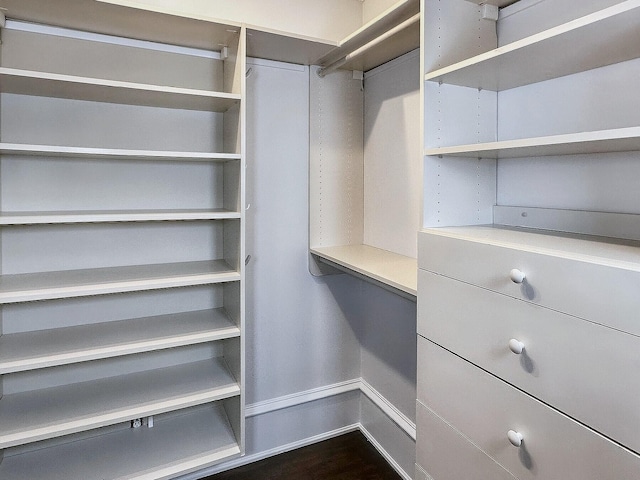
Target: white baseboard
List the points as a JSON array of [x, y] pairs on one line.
[[390, 460], [300, 398]]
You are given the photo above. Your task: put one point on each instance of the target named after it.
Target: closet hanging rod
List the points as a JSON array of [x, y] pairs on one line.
[[368, 46]]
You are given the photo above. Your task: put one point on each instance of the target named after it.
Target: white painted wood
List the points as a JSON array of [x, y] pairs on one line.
[[284, 47], [41, 414], [446, 385], [392, 167], [560, 364], [392, 44], [27, 82], [567, 273], [602, 141], [618, 225], [447, 454], [47, 348], [602, 38], [389, 268], [39, 218], [112, 153], [175, 445], [336, 160], [71, 52], [376, 28], [76, 283], [453, 31], [100, 17]]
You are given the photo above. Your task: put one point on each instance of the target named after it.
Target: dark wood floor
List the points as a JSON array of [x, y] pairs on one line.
[[347, 457]]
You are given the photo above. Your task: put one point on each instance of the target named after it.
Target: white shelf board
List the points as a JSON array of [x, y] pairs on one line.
[[112, 153], [174, 446], [378, 26], [53, 412], [27, 82], [41, 218], [608, 36], [61, 346], [601, 141], [388, 268], [101, 17], [28, 287]]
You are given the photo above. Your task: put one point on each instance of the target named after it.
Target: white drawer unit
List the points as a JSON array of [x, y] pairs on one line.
[[448, 454], [530, 439], [567, 362], [570, 273], [499, 369]]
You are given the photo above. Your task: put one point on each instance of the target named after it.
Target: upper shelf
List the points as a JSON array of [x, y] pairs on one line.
[[394, 32], [609, 36], [373, 264], [105, 18], [601, 141], [27, 82]]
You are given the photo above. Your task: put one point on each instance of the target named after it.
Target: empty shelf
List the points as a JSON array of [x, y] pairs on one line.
[[112, 153], [602, 141], [174, 446], [26, 82], [61, 346], [41, 218], [387, 268], [97, 281], [602, 38], [53, 412]]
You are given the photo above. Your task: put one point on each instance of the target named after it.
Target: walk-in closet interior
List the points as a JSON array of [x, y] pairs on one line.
[[232, 229]]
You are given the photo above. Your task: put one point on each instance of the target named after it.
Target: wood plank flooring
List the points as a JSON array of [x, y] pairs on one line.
[[347, 457]]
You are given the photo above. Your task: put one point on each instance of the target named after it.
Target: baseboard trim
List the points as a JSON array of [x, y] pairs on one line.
[[300, 398], [390, 460], [389, 409], [256, 457]]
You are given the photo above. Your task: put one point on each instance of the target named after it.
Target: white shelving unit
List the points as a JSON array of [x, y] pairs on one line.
[[375, 264], [176, 445], [160, 162], [529, 161], [337, 174], [572, 47], [49, 348]]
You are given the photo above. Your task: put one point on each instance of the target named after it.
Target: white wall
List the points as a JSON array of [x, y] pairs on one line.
[[328, 19], [298, 333]]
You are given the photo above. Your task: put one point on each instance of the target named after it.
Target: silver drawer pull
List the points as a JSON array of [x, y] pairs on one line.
[[517, 276], [515, 438], [516, 346]]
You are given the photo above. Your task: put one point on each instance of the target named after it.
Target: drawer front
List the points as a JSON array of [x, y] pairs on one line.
[[446, 455], [583, 369], [484, 409], [596, 292]]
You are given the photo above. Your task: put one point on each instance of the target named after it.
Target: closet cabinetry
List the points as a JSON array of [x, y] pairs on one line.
[[121, 179], [530, 257], [356, 189]]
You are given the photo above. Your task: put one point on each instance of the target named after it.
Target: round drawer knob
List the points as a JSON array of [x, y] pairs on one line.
[[517, 276], [516, 346], [515, 438]]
